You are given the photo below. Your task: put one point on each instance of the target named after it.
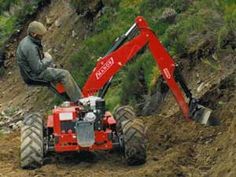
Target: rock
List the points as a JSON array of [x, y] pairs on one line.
[[10, 103], [12, 126], [11, 54], [55, 50], [155, 158], [201, 86], [5, 131], [218, 149], [13, 9], [221, 103], [220, 133], [58, 23], [6, 14], [49, 21], [209, 141], [169, 15], [73, 34], [50, 28], [199, 81], [19, 124]]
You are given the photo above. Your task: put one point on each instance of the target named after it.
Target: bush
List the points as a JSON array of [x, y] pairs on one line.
[[6, 4], [195, 22], [10, 22], [7, 25]]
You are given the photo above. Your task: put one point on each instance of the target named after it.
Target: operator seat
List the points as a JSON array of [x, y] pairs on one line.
[[37, 82]]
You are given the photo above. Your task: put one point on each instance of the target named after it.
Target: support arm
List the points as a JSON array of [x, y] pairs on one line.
[[108, 66], [112, 63]]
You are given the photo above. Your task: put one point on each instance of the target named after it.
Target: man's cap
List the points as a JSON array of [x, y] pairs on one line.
[[37, 28]]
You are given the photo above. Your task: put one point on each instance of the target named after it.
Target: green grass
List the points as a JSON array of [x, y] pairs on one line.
[[212, 64], [11, 19], [6, 4], [113, 98], [6, 27], [194, 22]]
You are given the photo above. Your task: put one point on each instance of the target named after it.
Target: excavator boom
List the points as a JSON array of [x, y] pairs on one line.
[[123, 51]]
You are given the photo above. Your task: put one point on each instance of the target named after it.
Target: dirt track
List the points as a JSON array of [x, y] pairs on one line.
[[176, 147]]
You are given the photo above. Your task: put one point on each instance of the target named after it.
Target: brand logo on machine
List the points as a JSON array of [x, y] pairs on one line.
[[104, 68], [167, 73]]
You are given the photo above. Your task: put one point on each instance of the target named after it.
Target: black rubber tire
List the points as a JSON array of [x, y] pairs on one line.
[[134, 141], [32, 152], [123, 113]]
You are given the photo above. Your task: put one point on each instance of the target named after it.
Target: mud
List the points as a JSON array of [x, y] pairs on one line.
[[176, 147]]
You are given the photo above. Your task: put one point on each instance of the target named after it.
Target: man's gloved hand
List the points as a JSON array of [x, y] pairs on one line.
[[47, 60], [53, 65], [47, 55]]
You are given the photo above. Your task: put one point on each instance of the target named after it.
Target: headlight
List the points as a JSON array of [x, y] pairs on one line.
[[66, 116], [90, 117]]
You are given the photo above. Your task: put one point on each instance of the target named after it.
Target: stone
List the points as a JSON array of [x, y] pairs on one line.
[[5, 131], [155, 158], [199, 81], [73, 34], [58, 23], [49, 21], [200, 87], [19, 124], [55, 50], [169, 15]]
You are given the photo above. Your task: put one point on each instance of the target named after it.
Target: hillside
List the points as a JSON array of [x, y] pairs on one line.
[[199, 35]]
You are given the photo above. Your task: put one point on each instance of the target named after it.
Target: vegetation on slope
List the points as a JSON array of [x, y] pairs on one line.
[[194, 30], [188, 29], [13, 13]]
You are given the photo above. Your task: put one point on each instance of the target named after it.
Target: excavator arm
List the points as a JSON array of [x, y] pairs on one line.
[[123, 51]]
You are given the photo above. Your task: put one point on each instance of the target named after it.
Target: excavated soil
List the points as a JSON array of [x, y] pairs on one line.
[[176, 147]]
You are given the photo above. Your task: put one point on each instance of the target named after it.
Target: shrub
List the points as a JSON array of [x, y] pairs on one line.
[[195, 22]]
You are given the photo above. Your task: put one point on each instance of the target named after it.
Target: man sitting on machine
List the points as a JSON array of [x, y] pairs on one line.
[[37, 66]]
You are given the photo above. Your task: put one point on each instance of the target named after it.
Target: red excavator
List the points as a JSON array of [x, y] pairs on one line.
[[87, 125]]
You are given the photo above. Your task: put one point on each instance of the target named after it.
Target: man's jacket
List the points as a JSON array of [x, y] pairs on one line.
[[30, 58]]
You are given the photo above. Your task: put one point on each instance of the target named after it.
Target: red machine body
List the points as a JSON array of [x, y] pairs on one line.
[[62, 121], [65, 135], [112, 63], [86, 125]]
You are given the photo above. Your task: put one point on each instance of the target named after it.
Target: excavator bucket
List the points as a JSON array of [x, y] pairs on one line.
[[201, 114]]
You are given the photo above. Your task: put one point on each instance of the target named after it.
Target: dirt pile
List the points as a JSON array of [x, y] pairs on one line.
[[176, 147]]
